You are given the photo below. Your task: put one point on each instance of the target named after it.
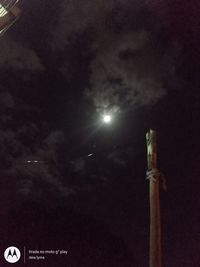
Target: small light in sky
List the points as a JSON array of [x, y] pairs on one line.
[[107, 118], [32, 161]]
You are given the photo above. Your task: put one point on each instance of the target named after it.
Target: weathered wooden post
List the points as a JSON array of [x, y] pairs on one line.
[[153, 176]]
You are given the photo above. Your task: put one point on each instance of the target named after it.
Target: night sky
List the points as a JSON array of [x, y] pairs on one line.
[[67, 179]]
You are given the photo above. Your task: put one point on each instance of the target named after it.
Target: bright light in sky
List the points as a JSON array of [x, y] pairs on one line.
[[107, 118]]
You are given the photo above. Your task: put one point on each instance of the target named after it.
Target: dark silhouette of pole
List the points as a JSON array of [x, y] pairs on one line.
[[153, 176]]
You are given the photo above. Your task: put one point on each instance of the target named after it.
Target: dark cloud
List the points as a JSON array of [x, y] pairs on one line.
[[18, 56], [76, 16], [30, 158], [6, 100], [117, 159], [73, 16], [78, 165], [55, 139], [130, 67], [35, 173], [131, 63]]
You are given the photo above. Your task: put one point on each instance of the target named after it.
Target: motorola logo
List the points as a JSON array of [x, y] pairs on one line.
[[12, 254]]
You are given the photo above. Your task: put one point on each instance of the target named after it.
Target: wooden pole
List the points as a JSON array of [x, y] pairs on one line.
[[154, 198]]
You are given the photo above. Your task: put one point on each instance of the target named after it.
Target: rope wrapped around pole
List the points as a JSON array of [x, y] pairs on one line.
[[153, 174]]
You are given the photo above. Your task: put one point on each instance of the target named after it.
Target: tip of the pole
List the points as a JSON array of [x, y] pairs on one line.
[[151, 131], [151, 134]]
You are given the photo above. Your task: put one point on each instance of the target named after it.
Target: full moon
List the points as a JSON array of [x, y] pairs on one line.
[[107, 118]]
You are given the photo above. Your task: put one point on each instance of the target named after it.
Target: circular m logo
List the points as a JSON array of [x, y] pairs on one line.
[[12, 254]]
